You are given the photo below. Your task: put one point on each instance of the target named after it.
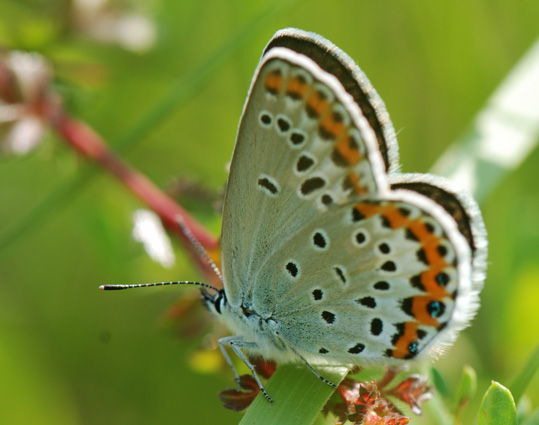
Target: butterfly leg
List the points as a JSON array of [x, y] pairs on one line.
[[226, 341], [313, 370], [236, 345]]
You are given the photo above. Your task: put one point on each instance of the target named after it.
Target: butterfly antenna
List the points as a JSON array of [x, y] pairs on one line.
[[147, 285], [198, 246]]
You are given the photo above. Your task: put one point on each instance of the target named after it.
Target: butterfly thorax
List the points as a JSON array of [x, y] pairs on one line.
[[262, 330]]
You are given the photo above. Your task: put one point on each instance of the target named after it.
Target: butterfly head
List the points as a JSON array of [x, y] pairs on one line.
[[216, 302]]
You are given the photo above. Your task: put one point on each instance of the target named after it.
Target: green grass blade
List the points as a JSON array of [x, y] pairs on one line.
[[522, 380], [497, 407], [299, 396], [502, 135]]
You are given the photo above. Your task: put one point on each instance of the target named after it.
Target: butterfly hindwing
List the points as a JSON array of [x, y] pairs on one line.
[[382, 274]]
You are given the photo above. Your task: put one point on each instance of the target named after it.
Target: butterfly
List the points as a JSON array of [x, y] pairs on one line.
[[329, 254]]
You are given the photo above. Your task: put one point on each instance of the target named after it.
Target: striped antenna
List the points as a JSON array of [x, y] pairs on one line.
[[198, 246], [147, 285]]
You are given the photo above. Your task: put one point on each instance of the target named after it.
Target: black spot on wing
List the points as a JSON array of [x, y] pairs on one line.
[[327, 199], [377, 326], [340, 274], [384, 248], [283, 124], [328, 317], [311, 185], [297, 138], [268, 186], [318, 294], [304, 163], [369, 302], [356, 349], [292, 269], [381, 286], [389, 266], [319, 240], [442, 279]]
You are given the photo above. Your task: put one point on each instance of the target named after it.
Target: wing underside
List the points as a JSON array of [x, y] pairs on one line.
[[352, 268]]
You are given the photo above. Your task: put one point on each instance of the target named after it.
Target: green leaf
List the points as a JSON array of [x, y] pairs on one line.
[[497, 407], [439, 382], [522, 380], [298, 396], [467, 387]]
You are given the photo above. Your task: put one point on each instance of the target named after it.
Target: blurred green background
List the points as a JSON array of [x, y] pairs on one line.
[[70, 354]]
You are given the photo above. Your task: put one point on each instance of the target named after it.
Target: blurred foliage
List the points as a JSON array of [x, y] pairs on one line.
[[71, 354]]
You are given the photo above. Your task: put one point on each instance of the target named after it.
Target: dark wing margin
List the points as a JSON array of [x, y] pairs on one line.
[[448, 201], [336, 62], [456, 203]]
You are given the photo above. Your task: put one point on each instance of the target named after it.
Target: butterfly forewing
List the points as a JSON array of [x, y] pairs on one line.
[[300, 153]]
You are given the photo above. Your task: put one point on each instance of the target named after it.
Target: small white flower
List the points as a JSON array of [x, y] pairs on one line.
[[149, 231], [26, 101], [24, 135], [100, 21]]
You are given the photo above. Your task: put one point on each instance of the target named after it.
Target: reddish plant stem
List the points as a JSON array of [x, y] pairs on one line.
[[389, 375], [89, 144]]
